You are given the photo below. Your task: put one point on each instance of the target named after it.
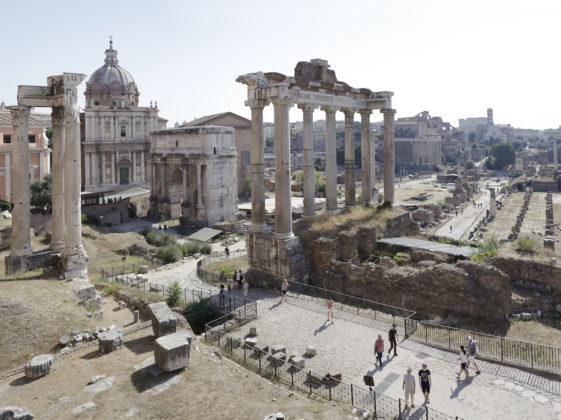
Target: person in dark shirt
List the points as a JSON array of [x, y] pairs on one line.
[[392, 338], [425, 382]]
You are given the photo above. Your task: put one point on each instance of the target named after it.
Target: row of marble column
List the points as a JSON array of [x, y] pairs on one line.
[[283, 210], [66, 202], [95, 177], [428, 151]]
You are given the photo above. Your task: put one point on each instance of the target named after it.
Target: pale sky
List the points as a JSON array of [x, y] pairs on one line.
[[453, 58]]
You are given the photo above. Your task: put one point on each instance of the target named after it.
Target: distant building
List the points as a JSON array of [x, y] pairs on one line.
[[242, 139], [39, 152], [116, 133], [194, 175]]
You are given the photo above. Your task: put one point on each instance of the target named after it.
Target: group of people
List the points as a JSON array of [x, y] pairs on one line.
[[466, 356]]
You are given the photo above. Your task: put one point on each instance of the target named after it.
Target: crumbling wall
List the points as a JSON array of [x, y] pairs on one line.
[[530, 270]]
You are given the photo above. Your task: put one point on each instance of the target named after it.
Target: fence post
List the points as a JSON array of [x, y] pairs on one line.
[[292, 377], [502, 339], [532, 354], [231, 345], [275, 366], [399, 408], [375, 409], [427, 412], [426, 334], [405, 325], [244, 356], [352, 397], [310, 380], [219, 338], [329, 386], [259, 353]]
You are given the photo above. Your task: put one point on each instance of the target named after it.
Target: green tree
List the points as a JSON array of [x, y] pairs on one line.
[[174, 294], [270, 141], [472, 136], [503, 155], [41, 193], [319, 164]]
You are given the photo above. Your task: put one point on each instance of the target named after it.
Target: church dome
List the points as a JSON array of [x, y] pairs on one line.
[[111, 85]]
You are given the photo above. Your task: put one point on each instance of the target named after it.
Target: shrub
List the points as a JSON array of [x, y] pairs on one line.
[[481, 256], [4, 205], [111, 288], [145, 232], [199, 313], [490, 244], [527, 244], [225, 271], [190, 248], [206, 249], [159, 238], [90, 220], [169, 253], [174, 294], [397, 260]]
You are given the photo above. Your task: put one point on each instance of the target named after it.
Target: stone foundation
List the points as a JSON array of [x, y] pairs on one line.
[[75, 265], [38, 259]]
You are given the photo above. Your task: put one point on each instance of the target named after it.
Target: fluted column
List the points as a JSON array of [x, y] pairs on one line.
[[163, 177], [200, 207], [350, 181], [57, 218], [389, 155], [142, 167], [87, 176], [330, 160], [74, 258], [184, 206], [258, 223], [283, 206], [20, 244], [372, 165], [309, 170], [113, 159], [365, 156], [103, 169], [133, 176], [554, 154]]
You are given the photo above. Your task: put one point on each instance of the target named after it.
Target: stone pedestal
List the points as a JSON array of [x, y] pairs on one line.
[[39, 366], [172, 351], [163, 320], [110, 340]]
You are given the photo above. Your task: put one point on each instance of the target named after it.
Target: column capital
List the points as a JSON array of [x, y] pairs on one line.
[[257, 103], [18, 113], [349, 112], [307, 107], [365, 111], [328, 109], [282, 100], [389, 111]]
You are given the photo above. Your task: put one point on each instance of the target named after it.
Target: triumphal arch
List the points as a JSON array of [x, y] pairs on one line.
[[313, 86], [61, 95]]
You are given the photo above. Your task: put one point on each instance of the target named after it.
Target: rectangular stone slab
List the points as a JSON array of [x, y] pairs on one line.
[[172, 351]]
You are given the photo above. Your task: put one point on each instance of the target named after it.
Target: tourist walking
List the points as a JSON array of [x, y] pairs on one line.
[[425, 382], [227, 252], [392, 338], [409, 387], [284, 289], [235, 278], [472, 351], [245, 290], [221, 295], [462, 357], [240, 279], [379, 348], [330, 309]]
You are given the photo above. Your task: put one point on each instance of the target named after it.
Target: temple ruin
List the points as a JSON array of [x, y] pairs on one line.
[[313, 86], [61, 95]]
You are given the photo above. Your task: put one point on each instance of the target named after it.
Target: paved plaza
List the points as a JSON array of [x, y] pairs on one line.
[[347, 347]]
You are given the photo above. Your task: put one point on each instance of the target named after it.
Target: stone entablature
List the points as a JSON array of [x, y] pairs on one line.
[[194, 175]]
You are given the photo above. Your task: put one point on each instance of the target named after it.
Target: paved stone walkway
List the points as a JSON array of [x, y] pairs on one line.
[[347, 347]]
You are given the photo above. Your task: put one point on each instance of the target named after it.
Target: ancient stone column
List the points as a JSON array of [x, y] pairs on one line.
[[57, 218], [200, 203], [258, 223], [142, 167], [74, 259], [133, 175], [330, 160], [373, 166], [20, 244], [350, 181], [554, 154], [365, 156], [283, 207], [87, 176], [113, 159], [103, 169], [163, 178], [492, 203], [309, 170], [389, 155]]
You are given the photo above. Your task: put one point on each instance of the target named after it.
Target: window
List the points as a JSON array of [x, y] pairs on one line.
[[7, 138], [215, 150], [245, 158], [96, 103], [31, 138], [176, 143], [123, 131]]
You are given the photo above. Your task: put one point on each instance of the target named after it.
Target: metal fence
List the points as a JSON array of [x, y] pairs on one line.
[[324, 385], [189, 294], [212, 277], [526, 354], [229, 322], [354, 305]]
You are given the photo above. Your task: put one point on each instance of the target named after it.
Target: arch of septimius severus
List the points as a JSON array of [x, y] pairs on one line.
[[61, 95], [313, 86]]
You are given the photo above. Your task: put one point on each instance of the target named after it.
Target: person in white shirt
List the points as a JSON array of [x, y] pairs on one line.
[[245, 290], [409, 387]]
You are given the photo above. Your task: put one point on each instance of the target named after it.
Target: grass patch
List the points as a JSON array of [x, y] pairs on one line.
[[227, 267], [527, 245], [169, 253]]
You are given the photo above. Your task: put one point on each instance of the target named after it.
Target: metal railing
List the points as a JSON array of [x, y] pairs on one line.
[[229, 322], [506, 350], [212, 277], [189, 294], [354, 305], [324, 385]]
